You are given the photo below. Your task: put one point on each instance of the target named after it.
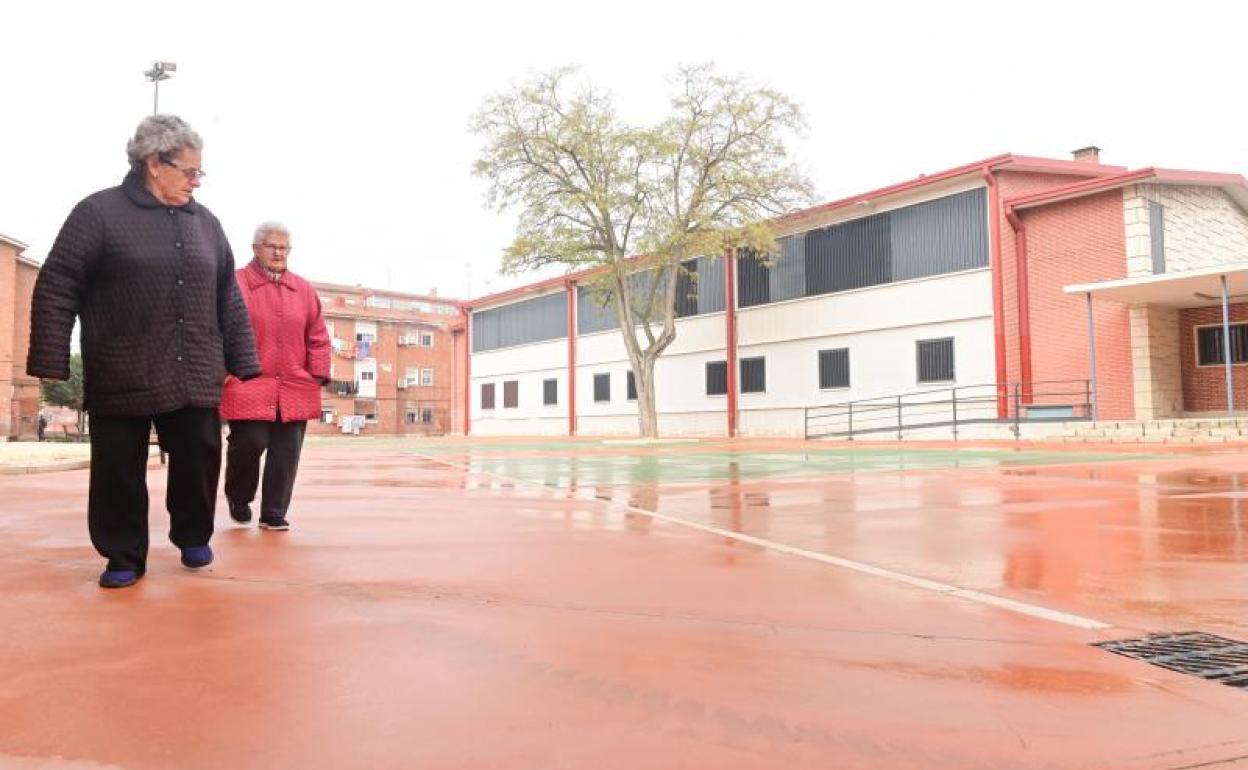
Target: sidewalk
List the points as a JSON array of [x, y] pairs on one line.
[[18, 457]]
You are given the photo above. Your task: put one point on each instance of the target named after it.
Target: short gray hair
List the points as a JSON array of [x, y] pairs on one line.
[[163, 135], [269, 227]]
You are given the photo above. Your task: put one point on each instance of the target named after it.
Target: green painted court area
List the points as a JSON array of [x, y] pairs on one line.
[[559, 462]]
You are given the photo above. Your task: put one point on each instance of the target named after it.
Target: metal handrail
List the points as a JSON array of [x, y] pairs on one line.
[[1008, 403]]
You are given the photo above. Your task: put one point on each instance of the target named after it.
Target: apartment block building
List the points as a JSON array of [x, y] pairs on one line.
[[394, 363], [19, 394]]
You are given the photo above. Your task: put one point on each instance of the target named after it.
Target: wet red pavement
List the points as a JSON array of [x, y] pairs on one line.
[[420, 615]]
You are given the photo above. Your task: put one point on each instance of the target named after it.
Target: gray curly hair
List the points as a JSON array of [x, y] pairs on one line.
[[269, 227], [161, 135]]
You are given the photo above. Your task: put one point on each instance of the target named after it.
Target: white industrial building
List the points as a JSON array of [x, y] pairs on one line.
[[913, 287]]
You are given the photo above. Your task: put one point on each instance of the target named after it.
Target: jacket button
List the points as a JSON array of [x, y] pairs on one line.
[[170, 212], [177, 244], [180, 319], [179, 281], [179, 358]]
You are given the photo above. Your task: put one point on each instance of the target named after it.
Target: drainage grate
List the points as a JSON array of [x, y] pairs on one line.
[[1204, 655]]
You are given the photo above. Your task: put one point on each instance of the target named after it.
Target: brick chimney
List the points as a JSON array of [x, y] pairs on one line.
[[1090, 154]]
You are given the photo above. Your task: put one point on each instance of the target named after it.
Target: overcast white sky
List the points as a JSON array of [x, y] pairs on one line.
[[347, 120]]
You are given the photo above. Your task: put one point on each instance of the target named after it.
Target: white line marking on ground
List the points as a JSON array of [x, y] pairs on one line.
[[979, 597]]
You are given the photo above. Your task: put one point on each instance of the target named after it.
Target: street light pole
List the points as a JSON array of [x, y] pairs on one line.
[[159, 71]]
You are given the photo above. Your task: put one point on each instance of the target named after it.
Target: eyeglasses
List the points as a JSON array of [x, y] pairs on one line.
[[190, 173], [274, 247]]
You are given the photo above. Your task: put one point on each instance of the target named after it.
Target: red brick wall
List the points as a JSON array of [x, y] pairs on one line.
[[1078, 241], [1204, 387], [8, 314], [1012, 185], [26, 395], [393, 360]]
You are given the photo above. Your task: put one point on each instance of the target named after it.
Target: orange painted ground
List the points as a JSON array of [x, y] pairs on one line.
[[502, 604]]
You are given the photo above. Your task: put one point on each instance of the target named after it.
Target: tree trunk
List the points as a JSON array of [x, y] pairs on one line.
[[647, 415]]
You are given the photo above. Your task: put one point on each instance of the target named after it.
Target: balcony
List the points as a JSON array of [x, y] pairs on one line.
[[342, 387]]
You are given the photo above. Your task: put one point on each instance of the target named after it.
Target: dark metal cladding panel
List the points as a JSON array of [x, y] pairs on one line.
[[941, 236], [595, 312], [710, 285], [520, 323], [753, 282]]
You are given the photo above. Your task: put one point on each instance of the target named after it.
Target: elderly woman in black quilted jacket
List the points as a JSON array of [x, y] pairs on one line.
[[148, 272]]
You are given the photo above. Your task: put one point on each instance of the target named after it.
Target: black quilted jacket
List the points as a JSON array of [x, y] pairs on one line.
[[162, 316]]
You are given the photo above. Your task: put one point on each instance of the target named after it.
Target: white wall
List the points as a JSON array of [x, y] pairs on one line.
[[529, 365]]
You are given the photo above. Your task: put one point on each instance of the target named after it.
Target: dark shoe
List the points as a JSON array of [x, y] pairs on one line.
[[240, 512], [119, 578], [196, 556], [277, 523]]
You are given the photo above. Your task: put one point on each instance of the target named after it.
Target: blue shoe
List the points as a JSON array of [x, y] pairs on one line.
[[119, 578], [196, 556]]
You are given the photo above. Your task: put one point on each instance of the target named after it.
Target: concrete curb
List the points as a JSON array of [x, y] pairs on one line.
[[70, 465]]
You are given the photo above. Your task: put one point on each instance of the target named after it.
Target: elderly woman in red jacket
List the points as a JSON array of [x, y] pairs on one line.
[[270, 413]]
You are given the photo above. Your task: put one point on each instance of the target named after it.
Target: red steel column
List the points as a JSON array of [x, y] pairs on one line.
[[467, 369], [730, 328], [998, 290], [571, 358]]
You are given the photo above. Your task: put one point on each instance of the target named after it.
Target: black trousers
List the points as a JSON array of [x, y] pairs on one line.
[[249, 439], [117, 502]]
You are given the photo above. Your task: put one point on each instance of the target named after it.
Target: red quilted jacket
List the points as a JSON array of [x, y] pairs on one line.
[[293, 346]]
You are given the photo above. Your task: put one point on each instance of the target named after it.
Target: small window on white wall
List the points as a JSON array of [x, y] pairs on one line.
[[426, 377], [602, 388], [716, 378], [935, 360], [754, 375], [834, 368]]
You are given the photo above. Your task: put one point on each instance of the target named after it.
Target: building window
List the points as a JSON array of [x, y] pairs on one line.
[[1157, 235], [834, 368], [754, 375], [550, 392], [327, 416], [602, 388], [1210, 350], [716, 378], [426, 340], [367, 376], [632, 387], [426, 377], [487, 395], [511, 394], [420, 416], [367, 410], [935, 360], [365, 337]]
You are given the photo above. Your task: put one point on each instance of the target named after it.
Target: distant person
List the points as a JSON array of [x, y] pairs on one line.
[[41, 426], [269, 415], [149, 273]]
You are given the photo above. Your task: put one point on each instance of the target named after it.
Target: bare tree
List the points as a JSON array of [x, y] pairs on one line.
[[636, 203]]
